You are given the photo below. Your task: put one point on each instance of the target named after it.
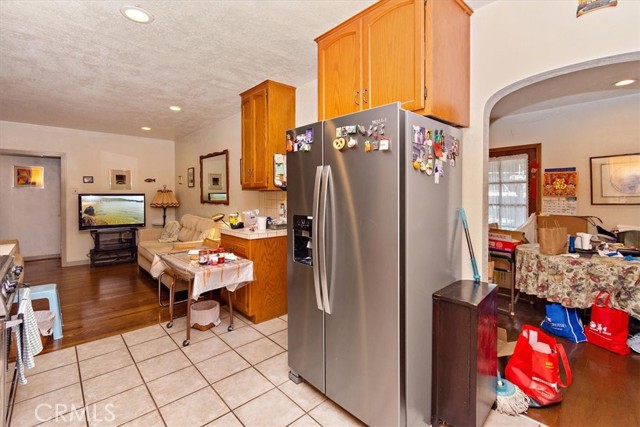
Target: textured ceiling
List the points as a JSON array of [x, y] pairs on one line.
[[82, 65]]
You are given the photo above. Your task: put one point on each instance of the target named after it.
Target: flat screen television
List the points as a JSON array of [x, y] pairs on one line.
[[98, 211]]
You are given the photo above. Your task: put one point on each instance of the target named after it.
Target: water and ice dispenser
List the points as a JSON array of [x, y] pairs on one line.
[[302, 239]]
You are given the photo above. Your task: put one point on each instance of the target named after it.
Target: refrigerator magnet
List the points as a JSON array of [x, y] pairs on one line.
[[351, 130], [381, 128], [338, 132], [339, 143], [367, 146], [352, 142], [375, 145], [429, 168], [362, 130], [385, 144], [309, 135]]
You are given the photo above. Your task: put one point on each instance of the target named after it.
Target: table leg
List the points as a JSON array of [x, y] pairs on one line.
[[172, 297], [230, 328], [189, 285]]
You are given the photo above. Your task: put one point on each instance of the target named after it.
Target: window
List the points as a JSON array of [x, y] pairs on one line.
[[508, 195], [514, 178]]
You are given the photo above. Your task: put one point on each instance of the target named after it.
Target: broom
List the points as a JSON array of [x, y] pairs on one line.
[[510, 399], [476, 274]]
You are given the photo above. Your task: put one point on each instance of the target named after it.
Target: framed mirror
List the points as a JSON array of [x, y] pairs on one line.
[[214, 178]]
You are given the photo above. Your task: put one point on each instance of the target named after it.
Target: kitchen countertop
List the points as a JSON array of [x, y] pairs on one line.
[[245, 233]]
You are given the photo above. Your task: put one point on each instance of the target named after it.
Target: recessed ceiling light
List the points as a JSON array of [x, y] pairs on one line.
[[175, 108], [137, 14], [624, 82], [145, 128]]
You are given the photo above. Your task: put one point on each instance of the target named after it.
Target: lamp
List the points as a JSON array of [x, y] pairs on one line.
[[164, 199], [220, 217]]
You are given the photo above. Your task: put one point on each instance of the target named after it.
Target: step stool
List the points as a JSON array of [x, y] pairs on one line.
[[49, 292]]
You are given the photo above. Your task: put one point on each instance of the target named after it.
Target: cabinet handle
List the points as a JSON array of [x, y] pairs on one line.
[[355, 97], [364, 97]]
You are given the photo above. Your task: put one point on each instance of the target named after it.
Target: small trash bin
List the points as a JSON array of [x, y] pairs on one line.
[[205, 314], [45, 322]]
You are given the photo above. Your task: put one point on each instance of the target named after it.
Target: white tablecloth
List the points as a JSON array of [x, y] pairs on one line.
[[231, 275]]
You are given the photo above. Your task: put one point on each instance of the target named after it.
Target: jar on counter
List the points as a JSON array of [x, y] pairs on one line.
[[203, 257]]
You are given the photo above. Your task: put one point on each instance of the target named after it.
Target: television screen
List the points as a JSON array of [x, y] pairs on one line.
[[111, 210]]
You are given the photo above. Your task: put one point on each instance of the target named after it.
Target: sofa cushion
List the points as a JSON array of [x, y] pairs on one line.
[[149, 248], [193, 227], [170, 232]]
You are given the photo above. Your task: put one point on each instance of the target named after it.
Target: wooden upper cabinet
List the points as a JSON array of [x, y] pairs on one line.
[[340, 72], [267, 111], [398, 51]]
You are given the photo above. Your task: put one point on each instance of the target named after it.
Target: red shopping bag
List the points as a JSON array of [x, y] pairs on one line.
[[535, 366], [608, 327]]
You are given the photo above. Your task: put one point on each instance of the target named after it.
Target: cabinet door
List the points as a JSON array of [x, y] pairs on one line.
[[393, 57], [260, 139], [247, 142], [340, 72]]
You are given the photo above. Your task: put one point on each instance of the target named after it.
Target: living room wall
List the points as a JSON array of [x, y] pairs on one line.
[[84, 153], [514, 44], [570, 135]]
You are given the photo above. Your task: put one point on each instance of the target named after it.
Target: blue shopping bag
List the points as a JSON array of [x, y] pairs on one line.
[[563, 322]]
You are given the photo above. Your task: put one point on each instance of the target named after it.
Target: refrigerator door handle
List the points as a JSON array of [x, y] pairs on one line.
[[315, 238], [326, 175]]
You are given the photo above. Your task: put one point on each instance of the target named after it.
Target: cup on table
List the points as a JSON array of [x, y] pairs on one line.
[[221, 257], [262, 223]]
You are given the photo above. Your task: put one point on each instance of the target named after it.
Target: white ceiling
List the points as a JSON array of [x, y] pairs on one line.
[[80, 64]]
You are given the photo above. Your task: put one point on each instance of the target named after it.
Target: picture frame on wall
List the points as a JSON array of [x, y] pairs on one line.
[[191, 177], [615, 180], [120, 179], [28, 176], [87, 179], [216, 182]]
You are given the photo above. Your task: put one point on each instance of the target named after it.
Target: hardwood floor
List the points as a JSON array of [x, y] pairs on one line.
[[606, 387], [98, 302]]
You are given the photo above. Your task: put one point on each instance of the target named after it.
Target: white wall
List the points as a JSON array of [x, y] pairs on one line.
[[40, 232], [91, 153], [570, 135], [226, 134], [516, 43]]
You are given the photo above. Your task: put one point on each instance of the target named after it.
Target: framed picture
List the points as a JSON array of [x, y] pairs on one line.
[[615, 180], [28, 176], [120, 179], [216, 182], [87, 180], [190, 177]]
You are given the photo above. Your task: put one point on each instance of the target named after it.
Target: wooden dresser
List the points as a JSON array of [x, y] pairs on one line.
[[266, 297]]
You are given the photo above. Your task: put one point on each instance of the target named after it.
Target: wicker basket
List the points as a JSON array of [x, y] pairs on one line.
[[205, 314]]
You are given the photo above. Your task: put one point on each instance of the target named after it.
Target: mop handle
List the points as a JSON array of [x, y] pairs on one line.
[[476, 275]]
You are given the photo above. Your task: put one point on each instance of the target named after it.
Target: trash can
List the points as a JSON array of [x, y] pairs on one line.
[[45, 322], [205, 314]]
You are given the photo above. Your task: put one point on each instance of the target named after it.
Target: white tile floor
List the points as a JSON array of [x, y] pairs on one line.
[[146, 378]]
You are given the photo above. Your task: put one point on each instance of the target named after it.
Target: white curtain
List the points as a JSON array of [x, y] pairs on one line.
[[508, 195]]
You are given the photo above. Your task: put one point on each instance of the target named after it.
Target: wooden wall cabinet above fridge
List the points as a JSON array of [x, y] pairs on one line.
[[412, 51], [268, 110]]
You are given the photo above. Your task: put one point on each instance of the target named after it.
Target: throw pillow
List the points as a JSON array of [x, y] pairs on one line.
[[170, 232]]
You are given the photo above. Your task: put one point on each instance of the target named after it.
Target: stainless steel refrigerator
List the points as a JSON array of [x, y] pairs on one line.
[[373, 232]]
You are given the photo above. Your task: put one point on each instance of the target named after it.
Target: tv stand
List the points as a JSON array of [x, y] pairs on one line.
[[113, 245]]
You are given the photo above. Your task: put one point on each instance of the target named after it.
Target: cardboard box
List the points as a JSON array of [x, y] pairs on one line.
[[505, 348], [505, 240], [574, 224]]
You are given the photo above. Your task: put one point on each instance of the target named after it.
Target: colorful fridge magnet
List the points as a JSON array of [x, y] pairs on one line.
[[375, 145], [309, 136], [367, 146], [385, 144], [381, 128], [418, 134], [352, 142], [362, 130], [351, 129], [339, 143], [429, 166], [338, 132], [290, 138]]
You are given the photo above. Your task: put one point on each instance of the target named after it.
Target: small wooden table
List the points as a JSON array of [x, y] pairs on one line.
[[231, 275]]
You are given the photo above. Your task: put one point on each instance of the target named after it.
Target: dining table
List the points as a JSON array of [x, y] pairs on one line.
[[232, 274], [574, 280]]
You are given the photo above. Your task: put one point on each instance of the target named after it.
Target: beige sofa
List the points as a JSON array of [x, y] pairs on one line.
[[193, 229]]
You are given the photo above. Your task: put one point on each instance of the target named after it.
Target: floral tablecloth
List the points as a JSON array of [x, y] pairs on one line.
[[231, 275], [575, 282]]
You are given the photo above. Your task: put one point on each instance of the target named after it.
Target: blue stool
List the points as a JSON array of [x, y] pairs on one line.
[[49, 292]]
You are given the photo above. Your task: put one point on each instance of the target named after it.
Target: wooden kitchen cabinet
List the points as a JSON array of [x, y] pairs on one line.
[[266, 297], [398, 51], [267, 111]]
